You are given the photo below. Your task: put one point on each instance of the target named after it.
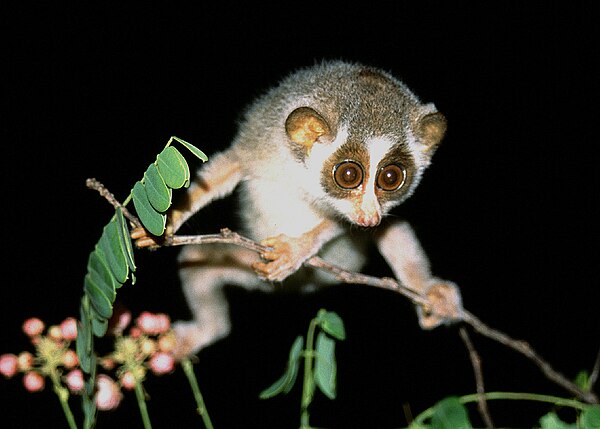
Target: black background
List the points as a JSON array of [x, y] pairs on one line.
[[508, 209]]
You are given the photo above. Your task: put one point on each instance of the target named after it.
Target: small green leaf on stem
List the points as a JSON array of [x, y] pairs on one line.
[[450, 414], [172, 167], [152, 220], [285, 383], [158, 193], [331, 323], [197, 152], [325, 365]]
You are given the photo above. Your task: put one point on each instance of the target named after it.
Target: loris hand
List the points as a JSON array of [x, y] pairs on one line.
[[143, 239], [286, 255], [445, 305]]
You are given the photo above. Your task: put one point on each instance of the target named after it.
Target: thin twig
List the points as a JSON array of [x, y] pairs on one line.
[[595, 371], [227, 236], [526, 350], [104, 192], [476, 363]]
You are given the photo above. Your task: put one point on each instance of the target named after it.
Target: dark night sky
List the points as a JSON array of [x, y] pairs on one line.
[[508, 209]]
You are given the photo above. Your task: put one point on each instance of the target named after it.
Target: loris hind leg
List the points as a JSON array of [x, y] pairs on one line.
[[400, 247], [204, 270]]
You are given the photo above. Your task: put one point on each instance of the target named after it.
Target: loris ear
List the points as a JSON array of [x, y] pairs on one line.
[[431, 129], [304, 126]]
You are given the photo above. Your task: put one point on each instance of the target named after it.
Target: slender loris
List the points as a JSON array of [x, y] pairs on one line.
[[322, 158]]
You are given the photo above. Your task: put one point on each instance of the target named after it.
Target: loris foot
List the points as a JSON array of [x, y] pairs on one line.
[[445, 305], [285, 256]]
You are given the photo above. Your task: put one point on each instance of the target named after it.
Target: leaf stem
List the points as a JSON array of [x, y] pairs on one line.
[[139, 394], [308, 386], [63, 397], [188, 368], [519, 396]]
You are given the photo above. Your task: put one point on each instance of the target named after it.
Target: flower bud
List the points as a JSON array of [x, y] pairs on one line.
[[70, 359], [128, 380], [108, 395], [68, 329], [25, 361], [8, 365], [161, 363], [55, 333], [33, 381], [33, 327], [74, 381]]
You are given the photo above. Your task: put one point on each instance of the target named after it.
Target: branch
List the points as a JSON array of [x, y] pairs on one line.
[[476, 363], [228, 236]]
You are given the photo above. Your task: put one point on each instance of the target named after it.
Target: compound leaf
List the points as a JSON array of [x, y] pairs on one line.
[[125, 238]]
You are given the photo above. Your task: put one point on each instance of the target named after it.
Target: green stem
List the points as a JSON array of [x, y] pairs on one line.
[[63, 397], [139, 394], [188, 368], [561, 402], [308, 387]]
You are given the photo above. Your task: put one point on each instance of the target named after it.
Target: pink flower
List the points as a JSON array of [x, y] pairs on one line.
[[153, 324], [167, 343], [163, 323], [70, 359], [33, 327], [68, 328], [128, 380], [161, 363], [122, 321], [74, 380], [108, 396], [25, 361], [33, 381], [55, 333], [8, 365]]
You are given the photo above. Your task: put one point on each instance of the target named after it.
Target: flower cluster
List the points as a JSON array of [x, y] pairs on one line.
[[148, 345]]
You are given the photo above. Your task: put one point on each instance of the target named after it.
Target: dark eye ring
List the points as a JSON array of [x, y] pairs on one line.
[[348, 174], [391, 177]]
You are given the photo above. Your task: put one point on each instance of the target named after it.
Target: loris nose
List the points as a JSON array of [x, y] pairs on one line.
[[369, 219], [369, 213]]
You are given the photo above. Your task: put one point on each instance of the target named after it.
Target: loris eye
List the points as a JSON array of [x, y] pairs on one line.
[[348, 174], [391, 177]]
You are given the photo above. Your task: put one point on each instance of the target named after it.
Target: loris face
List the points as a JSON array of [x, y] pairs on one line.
[[361, 175], [364, 180]]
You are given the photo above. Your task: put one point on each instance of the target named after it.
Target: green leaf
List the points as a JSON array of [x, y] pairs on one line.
[[152, 220], [450, 414], [99, 326], [197, 152], [125, 238], [110, 243], [331, 323], [101, 275], [325, 365], [99, 301], [551, 421], [83, 343], [157, 191], [172, 167], [591, 418], [285, 383]]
